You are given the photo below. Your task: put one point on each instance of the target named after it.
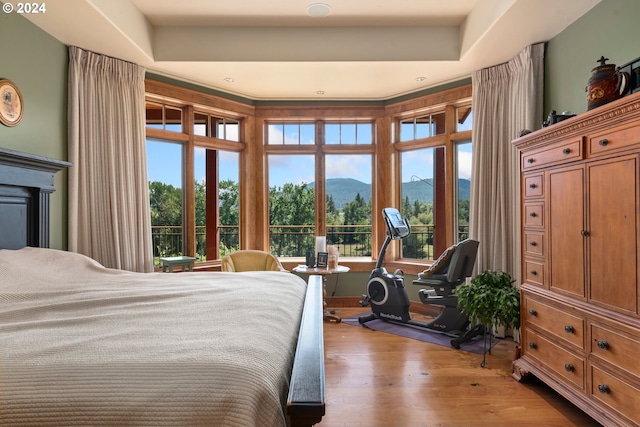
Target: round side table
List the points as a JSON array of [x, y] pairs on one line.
[[324, 272]]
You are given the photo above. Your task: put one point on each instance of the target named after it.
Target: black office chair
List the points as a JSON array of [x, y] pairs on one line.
[[447, 272]]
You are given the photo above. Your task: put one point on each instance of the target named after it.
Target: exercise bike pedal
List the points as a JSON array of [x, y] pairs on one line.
[[364, 301]]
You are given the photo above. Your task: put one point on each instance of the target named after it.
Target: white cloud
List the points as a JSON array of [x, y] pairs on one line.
[[349, 166], [464, 164]]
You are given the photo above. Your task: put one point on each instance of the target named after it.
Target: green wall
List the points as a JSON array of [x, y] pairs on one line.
[[611, 29], [37, 64]]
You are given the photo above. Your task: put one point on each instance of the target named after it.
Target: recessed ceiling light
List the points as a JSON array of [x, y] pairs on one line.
[[229, 79], [421, 79], [319, 10]]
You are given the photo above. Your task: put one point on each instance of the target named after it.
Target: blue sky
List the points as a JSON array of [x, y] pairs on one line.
[[163, 160], [164, 163]]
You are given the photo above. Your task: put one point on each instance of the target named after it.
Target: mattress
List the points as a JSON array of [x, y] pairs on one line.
[[81, 344]]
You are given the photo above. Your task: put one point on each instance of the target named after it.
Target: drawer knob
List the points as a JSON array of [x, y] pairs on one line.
[[584, 233], [534, 273], [533, 345], [604, 389], [567, 151], [603, 142], [533, 214], [533, 312], [568, 329], [532, 186], [530, 160], [603, 345], [533, 243], [569, 367]]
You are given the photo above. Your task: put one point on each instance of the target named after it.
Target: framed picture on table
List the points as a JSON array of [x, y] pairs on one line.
[[323, 257]]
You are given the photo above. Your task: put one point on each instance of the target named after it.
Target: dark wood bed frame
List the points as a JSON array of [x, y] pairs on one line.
[[26, 182]]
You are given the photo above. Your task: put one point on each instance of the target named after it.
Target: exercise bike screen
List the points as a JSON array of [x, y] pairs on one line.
[[398, 227]]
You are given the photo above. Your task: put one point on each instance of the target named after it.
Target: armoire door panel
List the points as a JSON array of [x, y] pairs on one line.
[[566, 231], [613, 232]]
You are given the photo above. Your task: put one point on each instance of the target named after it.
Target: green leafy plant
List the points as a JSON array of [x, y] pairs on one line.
[[491, 298]]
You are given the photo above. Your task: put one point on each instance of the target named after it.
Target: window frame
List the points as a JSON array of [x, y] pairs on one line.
[[320, 150], [445, 231], [177, 98], [254, 220]]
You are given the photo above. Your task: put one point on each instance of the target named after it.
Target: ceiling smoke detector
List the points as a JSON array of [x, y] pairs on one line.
[[319, 10]]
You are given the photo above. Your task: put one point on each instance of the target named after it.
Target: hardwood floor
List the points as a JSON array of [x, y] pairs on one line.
[[374, 379]]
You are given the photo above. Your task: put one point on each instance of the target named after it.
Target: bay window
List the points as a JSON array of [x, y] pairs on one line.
[[225, 175]]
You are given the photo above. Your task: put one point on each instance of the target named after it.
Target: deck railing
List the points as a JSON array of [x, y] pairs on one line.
[[295, 241], [167, 240]]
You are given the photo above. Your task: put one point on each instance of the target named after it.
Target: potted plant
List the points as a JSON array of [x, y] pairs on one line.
[[492, 299]]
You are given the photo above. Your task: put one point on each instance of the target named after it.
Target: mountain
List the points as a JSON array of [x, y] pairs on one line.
[[344, 190]]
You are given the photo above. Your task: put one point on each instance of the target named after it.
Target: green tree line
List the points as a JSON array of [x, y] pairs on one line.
[[291, 215]]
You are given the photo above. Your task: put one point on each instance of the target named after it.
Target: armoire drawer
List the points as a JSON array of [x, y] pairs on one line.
[[533, 185], [555, 321], [614, 347], [557, 153], [613, 140], [564, 363], [534, 244], [615, 393], [533, 214], [534, 272]]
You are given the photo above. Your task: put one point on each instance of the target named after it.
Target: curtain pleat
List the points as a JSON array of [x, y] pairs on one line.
[[109, 214], [506, 99]]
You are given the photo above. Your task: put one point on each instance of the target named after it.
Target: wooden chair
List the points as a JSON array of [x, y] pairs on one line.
[[251, 260]]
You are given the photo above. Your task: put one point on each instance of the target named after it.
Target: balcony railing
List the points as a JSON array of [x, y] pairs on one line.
[[167, 241], [419, 244], [295, 241]]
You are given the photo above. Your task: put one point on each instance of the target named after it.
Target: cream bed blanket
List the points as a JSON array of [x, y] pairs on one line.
[[83, 345]]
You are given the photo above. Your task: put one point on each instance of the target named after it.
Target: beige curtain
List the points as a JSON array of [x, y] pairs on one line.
[[506, 99], [109, 218]]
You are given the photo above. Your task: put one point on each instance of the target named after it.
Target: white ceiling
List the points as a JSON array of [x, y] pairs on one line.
[[273, 50]]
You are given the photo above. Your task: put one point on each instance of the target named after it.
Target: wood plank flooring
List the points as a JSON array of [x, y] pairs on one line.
[[374, 379]]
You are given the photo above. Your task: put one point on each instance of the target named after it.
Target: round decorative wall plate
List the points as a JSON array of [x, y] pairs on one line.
[[11, 106]]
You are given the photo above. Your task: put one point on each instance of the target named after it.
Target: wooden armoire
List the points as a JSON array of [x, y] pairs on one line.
[[580, 307]]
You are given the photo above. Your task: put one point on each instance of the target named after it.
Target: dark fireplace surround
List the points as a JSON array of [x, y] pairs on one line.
[[26, 183]]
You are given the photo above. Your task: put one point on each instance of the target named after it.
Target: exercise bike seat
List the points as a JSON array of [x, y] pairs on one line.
[[439, 284], [447, 272]]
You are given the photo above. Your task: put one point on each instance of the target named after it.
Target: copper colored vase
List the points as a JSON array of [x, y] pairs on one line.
[[605, 84]]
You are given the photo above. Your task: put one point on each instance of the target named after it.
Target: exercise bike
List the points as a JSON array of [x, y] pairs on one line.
[[389, 299]]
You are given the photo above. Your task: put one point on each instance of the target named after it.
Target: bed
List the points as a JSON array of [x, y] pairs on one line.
[[81, 344]]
